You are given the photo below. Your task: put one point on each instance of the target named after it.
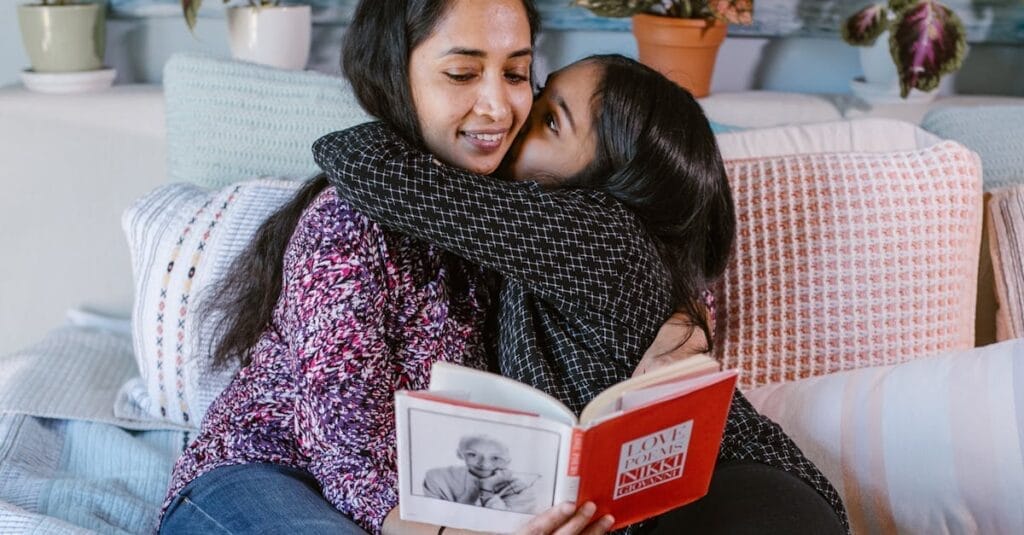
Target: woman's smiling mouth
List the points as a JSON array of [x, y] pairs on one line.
[[485, 141]]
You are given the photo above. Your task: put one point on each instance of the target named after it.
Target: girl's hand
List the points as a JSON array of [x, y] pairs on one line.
[[565, 519]]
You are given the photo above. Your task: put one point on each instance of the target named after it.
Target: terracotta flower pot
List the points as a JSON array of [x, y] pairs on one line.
[[684, 50]]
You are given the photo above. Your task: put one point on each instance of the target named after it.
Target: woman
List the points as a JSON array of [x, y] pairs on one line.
[[330, 314]]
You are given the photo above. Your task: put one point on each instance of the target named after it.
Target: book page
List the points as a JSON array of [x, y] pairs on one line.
[[638, 398], [492, 389], [607, 402], [476, 468]]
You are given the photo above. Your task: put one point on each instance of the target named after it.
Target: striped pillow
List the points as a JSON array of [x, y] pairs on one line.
[[930, 446], [182, 239], [1006, 245], [846, 260]]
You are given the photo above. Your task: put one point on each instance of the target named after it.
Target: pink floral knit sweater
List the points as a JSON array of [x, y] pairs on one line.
[[363, 312]]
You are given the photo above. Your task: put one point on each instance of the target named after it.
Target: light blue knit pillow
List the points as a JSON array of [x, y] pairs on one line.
[[229, 120], [719, 128], [996, 133]]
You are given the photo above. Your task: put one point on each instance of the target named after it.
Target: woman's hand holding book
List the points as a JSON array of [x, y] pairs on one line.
[[566, 519]]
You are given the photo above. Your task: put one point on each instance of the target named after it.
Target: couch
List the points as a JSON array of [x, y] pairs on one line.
[[918, 430]]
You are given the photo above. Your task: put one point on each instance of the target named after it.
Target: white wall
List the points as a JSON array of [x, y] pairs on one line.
[[138, 48]]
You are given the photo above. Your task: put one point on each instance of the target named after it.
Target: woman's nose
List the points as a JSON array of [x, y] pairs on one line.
[[493, 101]]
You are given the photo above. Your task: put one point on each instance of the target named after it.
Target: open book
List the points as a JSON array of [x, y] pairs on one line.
[[483, 452]]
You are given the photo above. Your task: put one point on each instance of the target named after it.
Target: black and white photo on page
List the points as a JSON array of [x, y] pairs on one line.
[[480, 463]]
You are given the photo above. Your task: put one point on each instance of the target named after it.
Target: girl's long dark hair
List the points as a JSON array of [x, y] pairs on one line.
[[657, 155], [375, 59]]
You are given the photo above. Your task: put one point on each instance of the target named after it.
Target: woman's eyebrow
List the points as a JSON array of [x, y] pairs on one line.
[[477, 53]]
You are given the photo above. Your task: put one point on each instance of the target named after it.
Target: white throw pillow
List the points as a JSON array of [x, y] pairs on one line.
[[759, 109], [182, 239], [858, 135], [934, 445]]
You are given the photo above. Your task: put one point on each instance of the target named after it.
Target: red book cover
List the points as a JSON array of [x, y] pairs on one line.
[[654, 458]]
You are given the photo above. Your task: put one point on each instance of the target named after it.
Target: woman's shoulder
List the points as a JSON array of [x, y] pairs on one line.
[[330, 215], [331, 228]]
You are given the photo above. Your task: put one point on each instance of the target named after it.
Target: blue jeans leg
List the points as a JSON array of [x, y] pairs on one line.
[[254, 498]]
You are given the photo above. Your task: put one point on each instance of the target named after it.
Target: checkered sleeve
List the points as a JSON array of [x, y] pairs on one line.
[[568, 246]]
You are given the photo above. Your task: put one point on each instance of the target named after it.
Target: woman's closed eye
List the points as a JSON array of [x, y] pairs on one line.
[[460, 76], [517, 77]]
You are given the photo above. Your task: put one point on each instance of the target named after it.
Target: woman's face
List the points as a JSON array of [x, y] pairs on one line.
[[471, 82], [558, 139]]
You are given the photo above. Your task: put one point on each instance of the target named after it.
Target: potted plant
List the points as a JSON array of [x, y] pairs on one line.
[[679, 38], [924, 39], [61, 36], [264, 31]]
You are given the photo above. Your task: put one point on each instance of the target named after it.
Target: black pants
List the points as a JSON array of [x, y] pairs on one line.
[[749, 497]]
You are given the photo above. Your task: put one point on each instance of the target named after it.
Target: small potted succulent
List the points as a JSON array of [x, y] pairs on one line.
[[264, 31], [679, 38], [924, 39], [62, 36]]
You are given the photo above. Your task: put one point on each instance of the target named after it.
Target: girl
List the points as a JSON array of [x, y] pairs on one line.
[[619, 214]]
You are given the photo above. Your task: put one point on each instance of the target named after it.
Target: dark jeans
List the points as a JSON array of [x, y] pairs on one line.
[[254, 498], [749, 497]]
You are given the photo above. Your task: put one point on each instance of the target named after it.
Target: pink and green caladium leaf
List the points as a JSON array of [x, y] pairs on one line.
[[864, 26], [190, 8], [899, 5], [616, 8], [927, 41]]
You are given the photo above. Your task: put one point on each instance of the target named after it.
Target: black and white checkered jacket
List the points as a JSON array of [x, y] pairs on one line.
[[583, 291]]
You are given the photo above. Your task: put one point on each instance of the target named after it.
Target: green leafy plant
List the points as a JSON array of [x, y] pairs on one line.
[[190, 8], [926, 39], [731, 11]]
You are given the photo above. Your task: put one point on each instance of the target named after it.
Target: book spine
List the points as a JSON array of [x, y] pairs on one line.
[[575, 452], [571, 486]]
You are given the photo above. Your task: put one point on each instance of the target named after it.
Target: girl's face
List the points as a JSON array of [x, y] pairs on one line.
[[558, 140], [471, 82]]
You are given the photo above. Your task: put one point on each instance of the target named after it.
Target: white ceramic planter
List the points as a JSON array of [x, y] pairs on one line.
[[876, 62], [278, 36]]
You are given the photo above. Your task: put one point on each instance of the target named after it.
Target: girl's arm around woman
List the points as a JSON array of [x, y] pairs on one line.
[[570, 246]]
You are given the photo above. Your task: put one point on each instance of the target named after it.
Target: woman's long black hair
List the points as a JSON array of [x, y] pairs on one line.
[[657, 155], [375, 59]]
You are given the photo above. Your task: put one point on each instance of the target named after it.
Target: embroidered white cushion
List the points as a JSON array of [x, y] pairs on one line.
[[846, 260], [182, 239], [935, 445]]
